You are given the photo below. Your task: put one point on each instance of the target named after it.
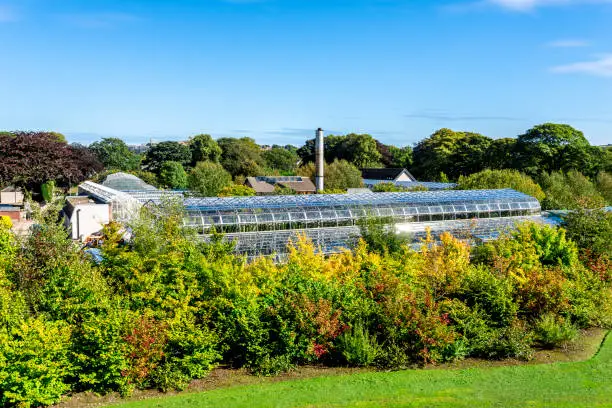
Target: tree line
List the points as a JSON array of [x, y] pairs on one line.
[[208, 166]]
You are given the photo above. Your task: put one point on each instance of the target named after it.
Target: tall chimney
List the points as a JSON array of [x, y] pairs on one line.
[[319, 161]]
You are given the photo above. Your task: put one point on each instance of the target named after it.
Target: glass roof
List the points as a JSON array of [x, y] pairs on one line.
[[426, 198], [126, 182]]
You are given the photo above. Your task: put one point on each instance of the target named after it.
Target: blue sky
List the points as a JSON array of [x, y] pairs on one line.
[[275, 70]]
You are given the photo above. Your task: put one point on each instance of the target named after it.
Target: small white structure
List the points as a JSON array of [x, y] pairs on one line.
[[84, 217], [11, 195]]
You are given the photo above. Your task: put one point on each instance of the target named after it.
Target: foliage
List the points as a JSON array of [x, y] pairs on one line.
[[281, 159], [454, 153], [604, 186], [241, 157], [591, 231], [34, 363], [552, 147], [172, 175], [390, 187], [553, 331], [204, 148], [332, 191], [236, 190], [339, 175], [569, 191], [208, 179], [361, 150], [401, 157], [160, 153], [114, 154], [29, 159], [47, 190], [358, 347], [492, 179]]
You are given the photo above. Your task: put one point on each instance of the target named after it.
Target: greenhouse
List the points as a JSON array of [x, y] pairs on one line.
[[264, 225]]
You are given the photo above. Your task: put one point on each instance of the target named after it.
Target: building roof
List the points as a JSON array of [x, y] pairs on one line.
[[260, 187], [265, 184], [388, 174], [303, 186]]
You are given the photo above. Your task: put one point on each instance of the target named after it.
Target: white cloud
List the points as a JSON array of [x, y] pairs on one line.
[[599, 67], [527, 5], [568, 44]]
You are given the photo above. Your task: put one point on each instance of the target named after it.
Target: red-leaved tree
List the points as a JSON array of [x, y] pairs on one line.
[[29, 159]]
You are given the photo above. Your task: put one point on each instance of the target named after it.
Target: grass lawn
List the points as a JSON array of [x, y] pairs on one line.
[[564, 384]]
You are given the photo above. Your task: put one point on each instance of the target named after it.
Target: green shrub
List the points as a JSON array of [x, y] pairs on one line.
[[553, 331], [100, 353], [34, 363], [569, 191], [492, 179], [358, 347]]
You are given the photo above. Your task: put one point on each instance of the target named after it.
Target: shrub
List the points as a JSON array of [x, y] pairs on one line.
[[590, 230], [34, 363], [339, 175], [208, 179], [604, 186], [570, 191], [236, 190], [491, 179], [553, 331], [357, 347]]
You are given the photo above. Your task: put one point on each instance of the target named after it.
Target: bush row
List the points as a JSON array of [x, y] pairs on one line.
[[163, 309]]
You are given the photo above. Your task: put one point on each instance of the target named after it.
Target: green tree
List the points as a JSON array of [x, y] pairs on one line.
[[279, 158], [172, 175], [501, 154], [204, 148], [339, 175], [401, 157], [569, 191], [236, 190], [162, 152], [493, 179], [208, 179], [449, 152], [114, 154], [241, 157], [556, 147]]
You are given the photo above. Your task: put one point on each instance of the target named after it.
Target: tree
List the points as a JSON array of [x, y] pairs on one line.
[[339, 175], [172, 175], [241, 157], [493, 179], [29, 159], [204, 148], [166, 151], [569, 191], [501, 154], [362, 150], [449, 152], [401, 157], [279, 158], [114, 154], [554, 147], [236, 190], [208, 179]]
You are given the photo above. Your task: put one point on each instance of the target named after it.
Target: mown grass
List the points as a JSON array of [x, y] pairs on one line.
[[576, 384]]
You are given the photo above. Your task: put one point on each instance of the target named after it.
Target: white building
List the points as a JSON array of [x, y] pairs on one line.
[[84, 217]]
